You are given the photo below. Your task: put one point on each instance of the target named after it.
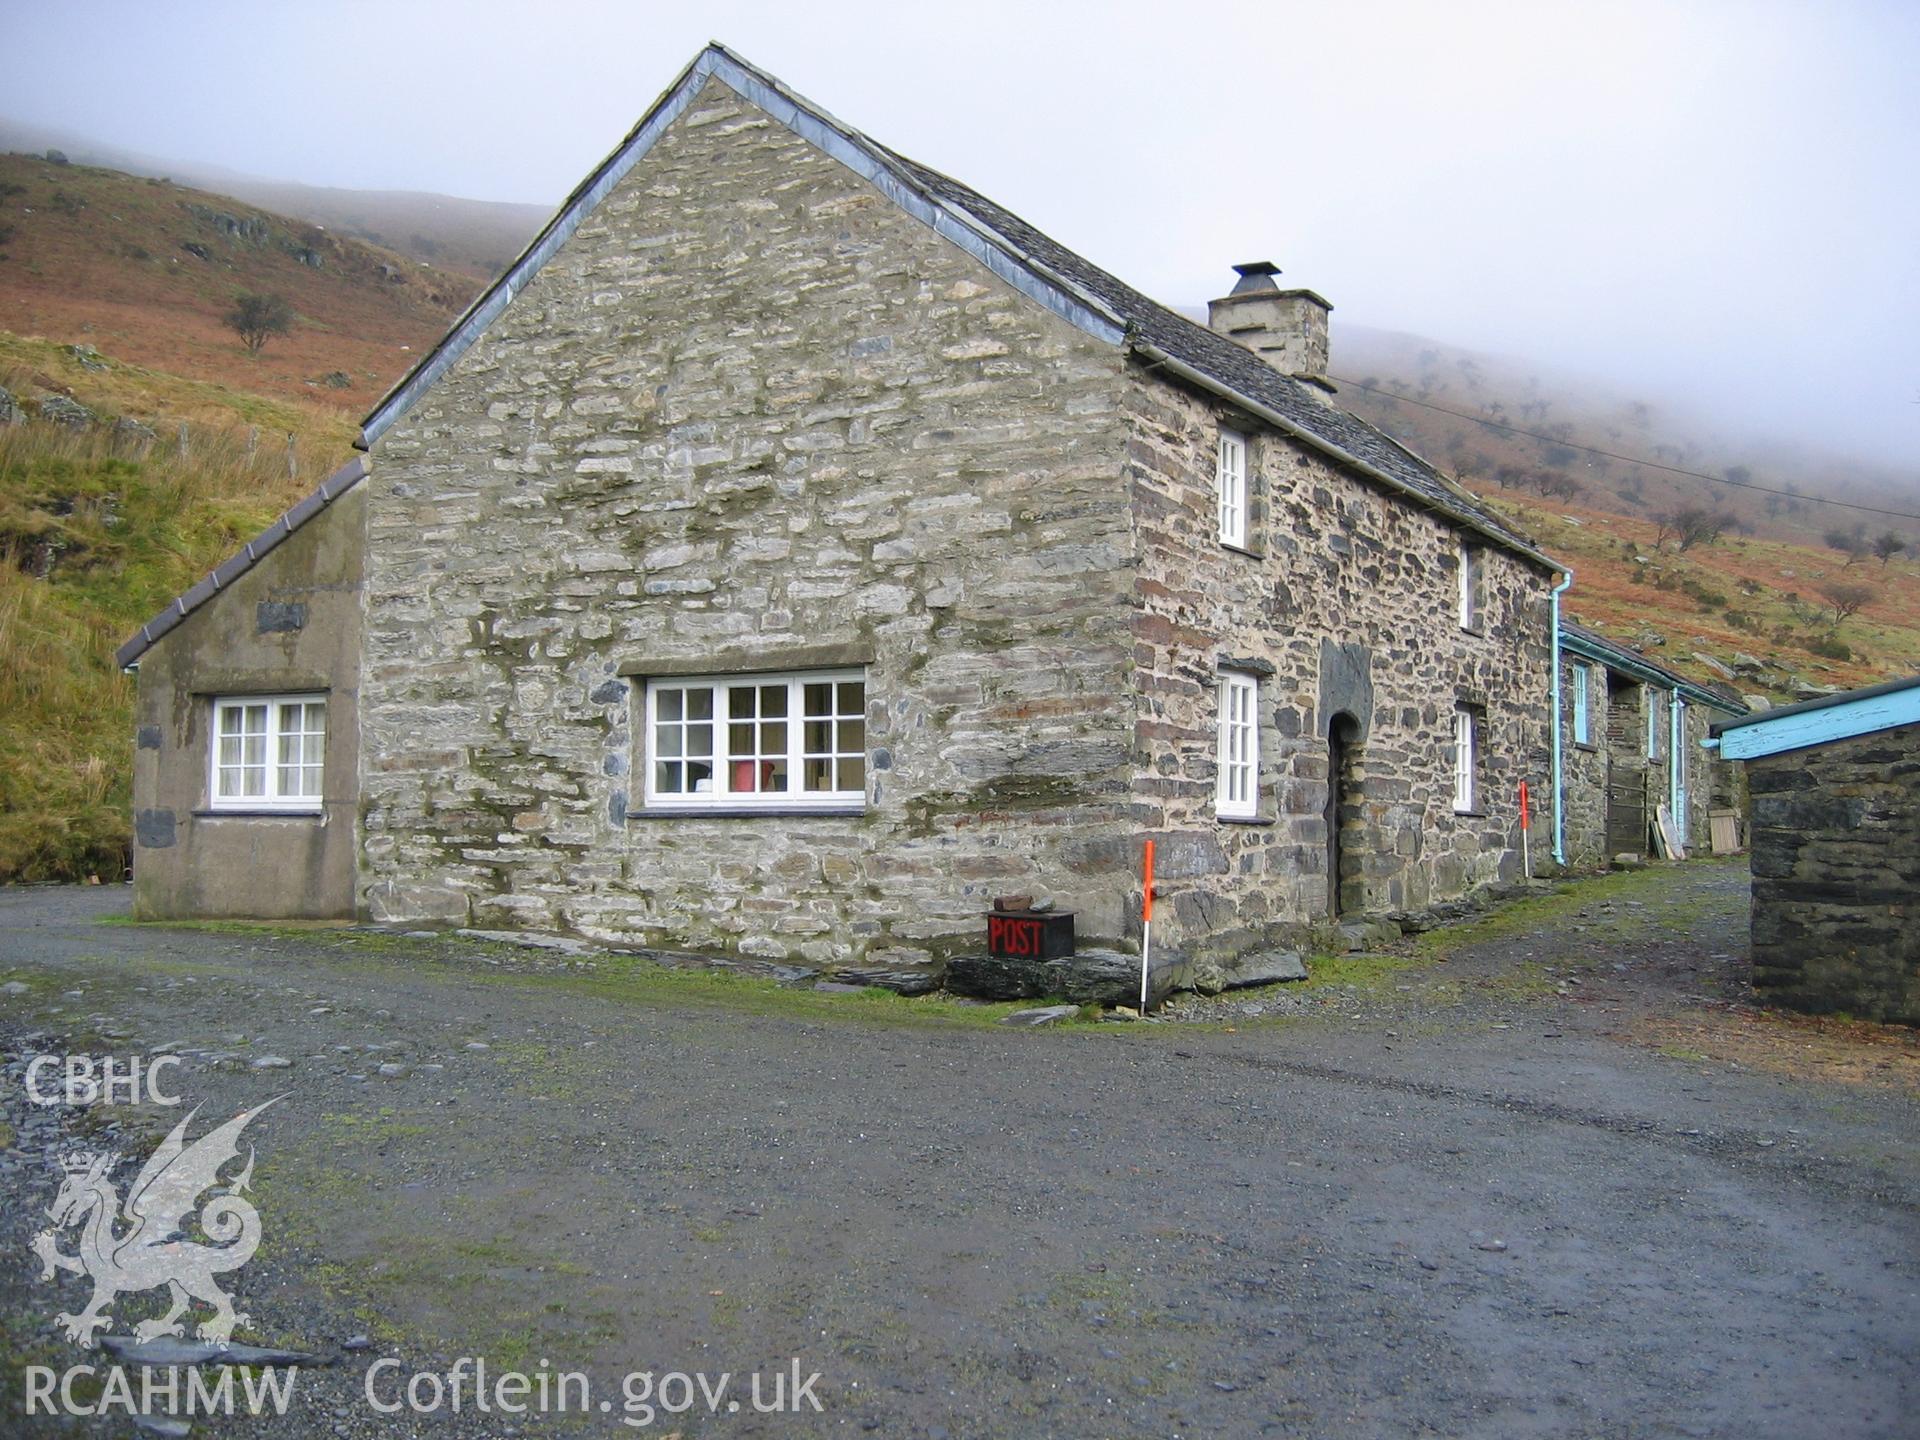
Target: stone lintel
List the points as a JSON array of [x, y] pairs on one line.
[[742, 662]]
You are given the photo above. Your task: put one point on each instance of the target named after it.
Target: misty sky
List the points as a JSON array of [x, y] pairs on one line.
[[1705, 202]]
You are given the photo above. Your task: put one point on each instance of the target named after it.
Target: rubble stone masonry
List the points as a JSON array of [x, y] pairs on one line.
[[753, 415], [1836, 868], [1345, 599], [753, 412]]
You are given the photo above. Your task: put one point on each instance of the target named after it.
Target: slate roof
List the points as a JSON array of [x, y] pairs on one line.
[[243, 560], [1047, 271], [1839, 698], [1595, 646], [1226, 361]]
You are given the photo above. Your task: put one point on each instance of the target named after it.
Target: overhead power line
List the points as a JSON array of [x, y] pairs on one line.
[[1629, 459]]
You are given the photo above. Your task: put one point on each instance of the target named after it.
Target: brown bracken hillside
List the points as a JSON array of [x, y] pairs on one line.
[[144, 270]]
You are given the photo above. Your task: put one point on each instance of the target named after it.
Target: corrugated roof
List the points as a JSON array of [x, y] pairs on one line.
[[242, 560]]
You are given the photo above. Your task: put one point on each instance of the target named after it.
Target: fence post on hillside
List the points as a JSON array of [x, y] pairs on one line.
[[183, 440], [253, 440], [293, 460]]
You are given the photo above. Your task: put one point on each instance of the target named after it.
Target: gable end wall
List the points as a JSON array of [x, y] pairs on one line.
[[752, 407]]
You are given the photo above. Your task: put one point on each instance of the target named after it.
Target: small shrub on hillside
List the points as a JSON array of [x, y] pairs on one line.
[[1831, 647], [1703, 596], [256, 319]]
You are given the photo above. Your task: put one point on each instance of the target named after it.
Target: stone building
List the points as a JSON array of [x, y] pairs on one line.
[[1631, 740], [1836, 850], [794, 550]]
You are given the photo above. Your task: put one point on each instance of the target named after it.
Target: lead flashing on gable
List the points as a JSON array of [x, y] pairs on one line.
[[864, 157]]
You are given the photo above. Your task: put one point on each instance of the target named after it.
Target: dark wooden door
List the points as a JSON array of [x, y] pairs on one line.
[[1626, 808]]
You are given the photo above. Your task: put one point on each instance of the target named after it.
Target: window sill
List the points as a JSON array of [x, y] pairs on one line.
[[1480, 630], [236, 814], [1245, 820], [747, 812], [1586, 745], [1472, 814], [1246, 550]]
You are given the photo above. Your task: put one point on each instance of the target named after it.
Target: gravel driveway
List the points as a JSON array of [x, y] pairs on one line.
[[1543, 1176]]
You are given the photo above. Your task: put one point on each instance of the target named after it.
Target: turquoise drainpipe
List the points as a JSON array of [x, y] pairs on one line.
[[1559, 780]]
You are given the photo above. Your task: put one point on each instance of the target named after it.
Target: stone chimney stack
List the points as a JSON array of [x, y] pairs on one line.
[[1285, 328]]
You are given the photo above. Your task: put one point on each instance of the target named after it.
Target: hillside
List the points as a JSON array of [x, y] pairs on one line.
[[1753, 597], [99, 527], [144, 270], [473, 238]]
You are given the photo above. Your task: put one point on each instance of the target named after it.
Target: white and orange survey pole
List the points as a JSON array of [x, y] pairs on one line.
[[1146, 928], [1526, 839]]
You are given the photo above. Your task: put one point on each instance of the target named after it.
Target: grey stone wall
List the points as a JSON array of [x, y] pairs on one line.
[[1348, 601], [751, 409], [1584, 767], [1836, 868], [290, 624], [1619, 729]]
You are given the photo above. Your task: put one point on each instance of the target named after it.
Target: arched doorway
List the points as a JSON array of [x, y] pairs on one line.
[[1344, 892]]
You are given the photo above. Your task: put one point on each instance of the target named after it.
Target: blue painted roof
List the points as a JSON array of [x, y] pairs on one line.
[[1822, 721]]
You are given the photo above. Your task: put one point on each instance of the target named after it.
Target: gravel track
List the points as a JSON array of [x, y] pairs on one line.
[[1467, 1197]]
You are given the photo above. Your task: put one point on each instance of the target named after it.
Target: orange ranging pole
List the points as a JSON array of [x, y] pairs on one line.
[[1147, 912], [1526, 836], [1523, 805]]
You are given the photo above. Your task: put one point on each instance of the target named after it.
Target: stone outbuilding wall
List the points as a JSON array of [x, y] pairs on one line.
[[1836, 873]]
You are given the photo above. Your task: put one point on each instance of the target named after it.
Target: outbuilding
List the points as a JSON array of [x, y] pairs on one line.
[[1836, 850]]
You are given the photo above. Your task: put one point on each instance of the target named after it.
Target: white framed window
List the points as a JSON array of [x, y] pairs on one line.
[[1582, 713], [269, 752], [786, 741], [1466, 752], [1231, 487], [1655, 704], [1237, 789], [1472, 585]]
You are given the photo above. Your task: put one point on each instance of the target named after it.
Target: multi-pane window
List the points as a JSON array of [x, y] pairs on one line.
[[1582, 714], [1237, 794], [1232, 488], [1465, 759], [269, 752], [774, 740], [1655, 705], [1472, 583]]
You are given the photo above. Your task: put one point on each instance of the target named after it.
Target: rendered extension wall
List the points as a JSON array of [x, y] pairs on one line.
[[290, 624]]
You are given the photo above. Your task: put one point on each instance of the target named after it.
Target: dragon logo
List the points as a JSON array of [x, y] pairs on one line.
[[148, 1243]]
